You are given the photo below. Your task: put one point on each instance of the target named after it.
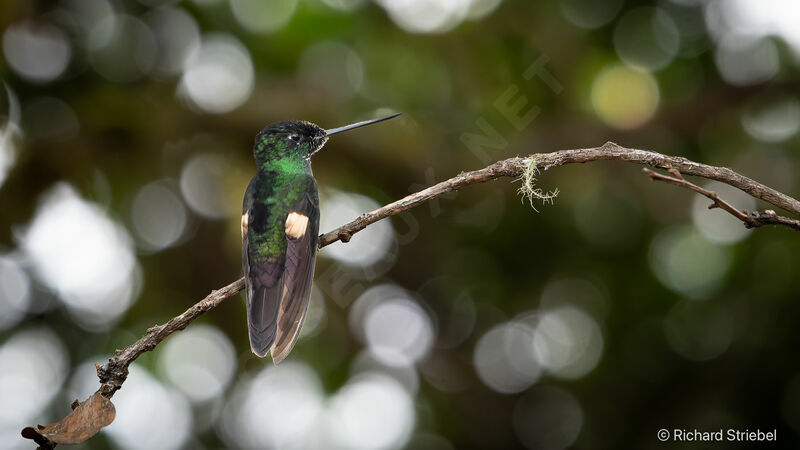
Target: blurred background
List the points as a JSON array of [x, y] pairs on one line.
[[472, 321]]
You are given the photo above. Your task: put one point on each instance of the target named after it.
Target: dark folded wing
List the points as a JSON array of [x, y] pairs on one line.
[[298, 272], [263, 287]]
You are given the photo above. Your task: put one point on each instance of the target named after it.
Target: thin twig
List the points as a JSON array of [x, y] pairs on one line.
[[113, 373], [770, 217], [751, 219]]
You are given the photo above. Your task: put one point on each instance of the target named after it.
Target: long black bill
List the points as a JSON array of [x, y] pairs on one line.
[[333, 131]]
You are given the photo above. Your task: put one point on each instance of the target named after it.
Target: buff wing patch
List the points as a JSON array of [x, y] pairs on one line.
[[245, 218], [296, 225]]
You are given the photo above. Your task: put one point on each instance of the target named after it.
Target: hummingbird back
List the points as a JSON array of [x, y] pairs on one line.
[[280, 229]]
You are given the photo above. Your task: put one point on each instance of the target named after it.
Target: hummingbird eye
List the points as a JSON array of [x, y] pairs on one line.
[[294, 137]]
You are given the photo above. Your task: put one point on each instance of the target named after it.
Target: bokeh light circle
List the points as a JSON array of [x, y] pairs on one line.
[[200, 362], [279, 408], [202, 179], [366, 247], [177, 35], [754, 20], [149, 414], [219, 75], [372, 411], [744, 61], [158, 215], [567, 342], [624, 97], [504, 358], [589, 13], [33, 364], [80, 253], [37, 52], [122, 49], [398, 332], [772, 121], [263, 16], [366, 301], [82, 16], [426, 16], [687, 262]]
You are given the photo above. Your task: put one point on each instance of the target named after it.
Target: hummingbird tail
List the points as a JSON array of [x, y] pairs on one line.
[[262, 310]]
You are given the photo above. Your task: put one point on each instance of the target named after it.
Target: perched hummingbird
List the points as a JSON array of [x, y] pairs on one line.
[[280, 226]]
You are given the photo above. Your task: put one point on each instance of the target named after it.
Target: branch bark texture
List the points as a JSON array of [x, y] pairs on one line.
[[113, 373]]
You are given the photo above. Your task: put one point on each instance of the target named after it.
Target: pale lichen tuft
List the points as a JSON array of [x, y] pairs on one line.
[[528, 190]]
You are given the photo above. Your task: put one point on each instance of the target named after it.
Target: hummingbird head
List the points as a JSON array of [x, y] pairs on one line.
[[298, 139], [293, 139]]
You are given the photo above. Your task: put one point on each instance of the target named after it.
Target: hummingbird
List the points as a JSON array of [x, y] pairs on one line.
[[280, 227]]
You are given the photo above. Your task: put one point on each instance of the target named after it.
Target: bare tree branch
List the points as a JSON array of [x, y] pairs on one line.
[[113, 373], [515, 167], [751, 220]]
